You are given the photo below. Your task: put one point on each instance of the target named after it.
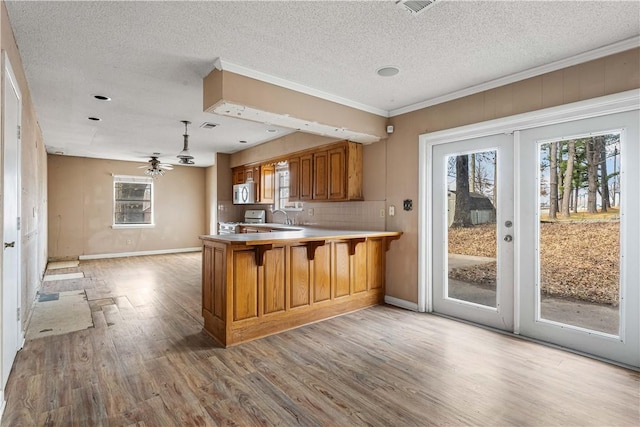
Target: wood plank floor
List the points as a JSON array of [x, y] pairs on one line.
[[148, 363]]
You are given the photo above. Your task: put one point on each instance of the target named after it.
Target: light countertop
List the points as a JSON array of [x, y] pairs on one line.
[[293, 233]]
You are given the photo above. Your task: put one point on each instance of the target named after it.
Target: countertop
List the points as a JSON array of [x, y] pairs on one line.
[[295, 233]]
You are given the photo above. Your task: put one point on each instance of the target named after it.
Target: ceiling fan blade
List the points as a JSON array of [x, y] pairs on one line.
[[167, 167]]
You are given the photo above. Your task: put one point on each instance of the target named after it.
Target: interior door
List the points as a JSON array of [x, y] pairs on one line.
[[579, 272], [11, 330], [472, 229]]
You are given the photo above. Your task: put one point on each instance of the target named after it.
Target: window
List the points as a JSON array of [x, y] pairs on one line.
[[282, 185], [132, 201]]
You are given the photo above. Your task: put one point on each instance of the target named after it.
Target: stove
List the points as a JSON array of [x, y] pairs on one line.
[[251, 216]]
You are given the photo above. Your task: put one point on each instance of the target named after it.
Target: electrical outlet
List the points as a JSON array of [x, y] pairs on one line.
[[381, 213], [128, 241], [392, 210], [310, 211]]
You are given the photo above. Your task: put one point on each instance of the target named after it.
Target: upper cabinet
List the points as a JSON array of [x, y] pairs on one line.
[[267, 184], [305, 179], [328, 173]]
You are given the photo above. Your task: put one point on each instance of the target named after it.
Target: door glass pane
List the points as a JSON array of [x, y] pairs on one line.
[[579, 232], [471, 235]]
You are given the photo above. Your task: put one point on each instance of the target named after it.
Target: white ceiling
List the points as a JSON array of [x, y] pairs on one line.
[[150, 58]]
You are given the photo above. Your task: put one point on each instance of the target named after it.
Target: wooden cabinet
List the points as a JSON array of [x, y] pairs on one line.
[[294, 178], [329, 173], [238, 175], [252, 173], [253, 290], [306, 177], [337, 172], [267, 185], [320, 176], [337, 176]]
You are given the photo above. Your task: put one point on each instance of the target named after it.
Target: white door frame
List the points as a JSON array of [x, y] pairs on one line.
[[8, 77], [609, 104]]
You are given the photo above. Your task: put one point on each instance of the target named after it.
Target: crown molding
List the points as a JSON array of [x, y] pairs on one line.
[[581, 58]]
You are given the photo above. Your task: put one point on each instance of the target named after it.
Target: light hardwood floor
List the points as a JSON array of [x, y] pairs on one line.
[[148, 363]]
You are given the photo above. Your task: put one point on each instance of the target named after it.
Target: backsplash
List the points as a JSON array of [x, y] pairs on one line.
[[339, 215]]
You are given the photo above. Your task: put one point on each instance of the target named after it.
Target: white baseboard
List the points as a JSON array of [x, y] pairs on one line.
[[141, 253], [407, 305]]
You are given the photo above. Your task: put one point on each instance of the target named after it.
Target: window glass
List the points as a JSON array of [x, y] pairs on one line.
[[133, 201]]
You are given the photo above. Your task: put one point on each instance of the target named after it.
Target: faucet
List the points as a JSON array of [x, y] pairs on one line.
[[287, 220]]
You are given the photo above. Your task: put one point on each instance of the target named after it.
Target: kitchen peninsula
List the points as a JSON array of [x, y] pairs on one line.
[[259, 284]]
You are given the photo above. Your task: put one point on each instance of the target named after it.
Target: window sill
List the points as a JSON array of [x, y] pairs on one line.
[[125, 226]]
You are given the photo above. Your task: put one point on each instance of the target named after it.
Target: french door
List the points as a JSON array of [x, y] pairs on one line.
[[579, 275], [534, 227], [473, 230]]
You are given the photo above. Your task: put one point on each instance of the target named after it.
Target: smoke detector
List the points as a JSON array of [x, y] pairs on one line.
[[415, 6]]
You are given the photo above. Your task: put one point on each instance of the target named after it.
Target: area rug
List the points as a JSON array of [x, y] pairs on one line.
[[68, 312]]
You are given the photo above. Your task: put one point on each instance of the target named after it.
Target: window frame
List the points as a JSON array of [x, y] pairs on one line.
[[129, 179]]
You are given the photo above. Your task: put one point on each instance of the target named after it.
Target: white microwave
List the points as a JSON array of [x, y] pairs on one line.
[[244, 194]]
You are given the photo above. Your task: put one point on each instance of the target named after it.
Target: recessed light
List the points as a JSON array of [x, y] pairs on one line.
[[95, 119], [387, 71], [242, 142], [272, 130], [102, 98]]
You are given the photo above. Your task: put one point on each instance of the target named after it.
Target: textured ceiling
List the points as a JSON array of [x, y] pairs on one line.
[[150, 57]]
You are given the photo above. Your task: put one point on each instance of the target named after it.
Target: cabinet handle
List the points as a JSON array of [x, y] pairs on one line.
[[9, 245]]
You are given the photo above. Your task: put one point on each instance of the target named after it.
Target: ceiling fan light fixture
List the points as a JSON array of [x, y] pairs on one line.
[[154, 172]]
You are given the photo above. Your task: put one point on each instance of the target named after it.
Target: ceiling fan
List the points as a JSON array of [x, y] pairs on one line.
[[155, 167]]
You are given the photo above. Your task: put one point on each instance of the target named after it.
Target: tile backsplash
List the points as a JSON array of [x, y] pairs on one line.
[[339, 215]]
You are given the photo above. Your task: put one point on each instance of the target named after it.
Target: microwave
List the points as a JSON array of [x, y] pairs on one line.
[[244, 194]]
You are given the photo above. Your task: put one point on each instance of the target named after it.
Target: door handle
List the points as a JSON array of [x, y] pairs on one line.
[[508, 238], [9, 245]]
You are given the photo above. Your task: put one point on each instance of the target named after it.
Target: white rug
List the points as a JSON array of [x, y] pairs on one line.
[[68, 313]]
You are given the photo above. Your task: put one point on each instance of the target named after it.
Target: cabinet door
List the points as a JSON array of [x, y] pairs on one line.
[[267, 183], [238, 175], [320, 176], [249, 174], [294, 178], [337, 173], [306, 177]]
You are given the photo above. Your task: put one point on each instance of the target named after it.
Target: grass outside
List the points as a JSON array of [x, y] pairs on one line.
[[579, 260]]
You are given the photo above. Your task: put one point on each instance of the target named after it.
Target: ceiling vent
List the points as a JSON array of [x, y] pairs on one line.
[[208, 125], [417, 6]]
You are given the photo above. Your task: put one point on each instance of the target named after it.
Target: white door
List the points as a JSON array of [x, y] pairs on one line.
[[472, 230], [11, 330], [579, 275]]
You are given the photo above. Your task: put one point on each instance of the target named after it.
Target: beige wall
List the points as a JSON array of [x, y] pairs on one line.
[[604, 76], [33, 180], [81, 208]]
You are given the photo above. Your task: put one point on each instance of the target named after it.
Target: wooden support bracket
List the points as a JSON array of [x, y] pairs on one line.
[[388, 241], [260, 250], [353, 243], [311, 248]]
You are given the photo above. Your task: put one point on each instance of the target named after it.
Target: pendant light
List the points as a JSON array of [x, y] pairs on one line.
[[185, 157]]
